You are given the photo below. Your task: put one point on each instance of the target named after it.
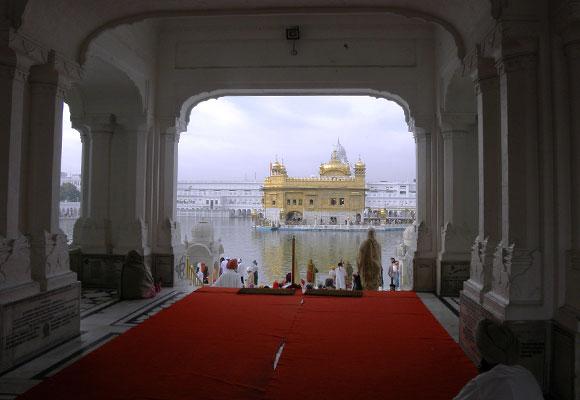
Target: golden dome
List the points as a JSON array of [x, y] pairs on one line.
[[334, 167], [360, 168], [277, 168]]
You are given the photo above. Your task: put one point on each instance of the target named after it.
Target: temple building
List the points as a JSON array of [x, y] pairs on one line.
[[336, 196], [490, 91]]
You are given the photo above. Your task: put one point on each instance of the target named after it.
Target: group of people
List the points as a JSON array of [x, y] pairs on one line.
[[233, 274], [371, 274]]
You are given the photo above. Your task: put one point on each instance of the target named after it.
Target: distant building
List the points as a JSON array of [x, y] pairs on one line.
[[70, 209], [75, 179], [229, 198], [336, 196]]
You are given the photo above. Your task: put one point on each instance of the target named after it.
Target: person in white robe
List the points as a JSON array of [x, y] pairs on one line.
[[386, 277], [223, 265], [332, 275], [230, 278], [500, 378], [340, 274], [249, 282]]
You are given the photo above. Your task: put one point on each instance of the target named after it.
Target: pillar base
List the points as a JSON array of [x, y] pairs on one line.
[[33, 324], [424, 274], [97, 270], [453, 275], [169, 268]]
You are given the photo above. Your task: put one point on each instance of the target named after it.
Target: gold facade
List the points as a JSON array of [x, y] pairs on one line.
[[336, 192]]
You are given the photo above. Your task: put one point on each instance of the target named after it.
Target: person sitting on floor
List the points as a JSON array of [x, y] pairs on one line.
[[230, 278], [356, 282], [500, 378]]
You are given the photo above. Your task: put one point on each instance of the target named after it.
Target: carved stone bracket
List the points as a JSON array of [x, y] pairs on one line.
[[526, 276], [424, 238], [517, 274], [49, 255], [517, 63], [14, 261], [501, 271], [456, 239], [169, 235], [37, 54], [478, 254]]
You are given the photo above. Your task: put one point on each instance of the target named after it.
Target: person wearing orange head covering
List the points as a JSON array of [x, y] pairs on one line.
[[230, 278]]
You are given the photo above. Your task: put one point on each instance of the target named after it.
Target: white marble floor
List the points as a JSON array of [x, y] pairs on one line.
[[104, 316], [445, 310]]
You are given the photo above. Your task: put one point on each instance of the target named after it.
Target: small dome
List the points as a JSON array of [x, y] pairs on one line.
[[277, 168], [202, 233]]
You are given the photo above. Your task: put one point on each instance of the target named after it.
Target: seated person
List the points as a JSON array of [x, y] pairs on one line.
[[356, 282], [500, 378], [329, 283]]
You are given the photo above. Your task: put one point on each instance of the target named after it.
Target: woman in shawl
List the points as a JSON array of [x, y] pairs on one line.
[[369, 262]]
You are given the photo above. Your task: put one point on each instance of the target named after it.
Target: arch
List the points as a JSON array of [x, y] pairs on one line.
[[276, 11], [184, 109], [103, 80]]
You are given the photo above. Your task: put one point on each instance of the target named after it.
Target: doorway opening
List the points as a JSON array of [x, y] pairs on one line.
[[321, 146]]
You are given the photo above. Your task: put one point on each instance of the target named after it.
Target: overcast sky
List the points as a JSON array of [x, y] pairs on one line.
[[237, 137]]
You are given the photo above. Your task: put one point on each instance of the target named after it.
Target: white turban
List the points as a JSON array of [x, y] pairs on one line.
[[496, 343]]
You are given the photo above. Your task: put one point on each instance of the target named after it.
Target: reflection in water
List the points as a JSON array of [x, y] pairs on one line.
[[273, 250]]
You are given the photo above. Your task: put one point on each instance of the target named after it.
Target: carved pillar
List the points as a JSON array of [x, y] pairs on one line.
[[167, 250], [459, 201], [565, 370], [460, 191], [168, 232], [85, 169], [93, 230], [423, 261], [572, 55], [15, 275], [128, 185], [489, 166], [49, 255], [517, 268]]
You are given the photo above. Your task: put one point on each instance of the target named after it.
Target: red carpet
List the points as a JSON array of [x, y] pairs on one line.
[[384, 345], [215, 344]]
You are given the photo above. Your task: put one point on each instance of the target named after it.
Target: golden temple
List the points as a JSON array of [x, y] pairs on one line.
[[336, 196]]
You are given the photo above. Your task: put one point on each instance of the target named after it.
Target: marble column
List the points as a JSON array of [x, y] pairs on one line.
[[15, 274], [572, 55], [517, 281], [85, 168], [93, 230], [489, 167], [167, 248], [168, 234], [129, 153], [49, 250], [460, 191], [459, 201], [423, 260]]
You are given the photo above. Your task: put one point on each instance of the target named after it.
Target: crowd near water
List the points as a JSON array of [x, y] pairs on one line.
[[272, 250]]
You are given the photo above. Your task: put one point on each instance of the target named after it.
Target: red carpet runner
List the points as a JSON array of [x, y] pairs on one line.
[[215, 344]]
